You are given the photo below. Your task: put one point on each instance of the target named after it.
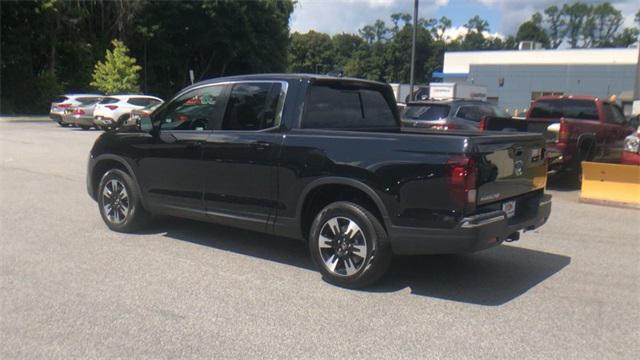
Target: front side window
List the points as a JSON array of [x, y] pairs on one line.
[[196, 110], [252, 106]]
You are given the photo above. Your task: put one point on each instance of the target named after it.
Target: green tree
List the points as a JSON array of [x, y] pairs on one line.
[[601, 26], [477, 24], [118, 73], [626, 38], [344, 46], [312, 52], [532, 31], [577, 15], [557, 26], [439, 30]]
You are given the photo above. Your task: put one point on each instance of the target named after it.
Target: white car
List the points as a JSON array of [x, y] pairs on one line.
[[64, 102], [114, 110]]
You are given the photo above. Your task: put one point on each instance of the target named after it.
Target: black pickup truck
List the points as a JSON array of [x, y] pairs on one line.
[[323, 160]]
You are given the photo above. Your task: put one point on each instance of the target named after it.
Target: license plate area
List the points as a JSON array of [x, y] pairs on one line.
[[509, 207]]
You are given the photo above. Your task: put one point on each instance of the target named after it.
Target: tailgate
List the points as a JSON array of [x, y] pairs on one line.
[[509, 165], [540, 126]]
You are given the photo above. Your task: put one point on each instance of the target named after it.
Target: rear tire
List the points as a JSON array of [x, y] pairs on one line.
[[62, 124], [349, 245], [585, 154], [119, 202], [83, 127]]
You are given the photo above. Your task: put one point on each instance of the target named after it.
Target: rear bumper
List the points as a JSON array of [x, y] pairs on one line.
[[55, 117], [629, 158], [103, 121], [471, 234]]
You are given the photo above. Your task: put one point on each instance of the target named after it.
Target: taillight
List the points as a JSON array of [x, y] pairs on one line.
[[463, 175], [78, 112], [483, 123], [563, 132], [111, 107]]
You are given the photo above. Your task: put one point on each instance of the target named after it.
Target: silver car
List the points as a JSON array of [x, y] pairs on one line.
[[448, 114], [60, 104], [81, 115]]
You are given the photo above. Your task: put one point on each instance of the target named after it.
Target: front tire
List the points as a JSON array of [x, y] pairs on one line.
[[122, 120], [83, 127], [119, 202], [62, 124], [349, 245]]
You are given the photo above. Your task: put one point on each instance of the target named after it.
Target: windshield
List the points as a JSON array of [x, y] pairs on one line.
[[567, 108], [426, 112]]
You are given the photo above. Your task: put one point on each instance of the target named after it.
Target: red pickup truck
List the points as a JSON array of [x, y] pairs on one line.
[[576, 128]]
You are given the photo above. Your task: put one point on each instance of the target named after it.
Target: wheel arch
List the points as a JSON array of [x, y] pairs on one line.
[[105, 162], [355, 191], [587, 138]]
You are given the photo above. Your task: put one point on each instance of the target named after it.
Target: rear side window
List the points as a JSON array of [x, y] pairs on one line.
[[476, 112], [568, 108], [252, 106], [426, 112], [141, 101], [88, 100], [109, 100], [344, 107]]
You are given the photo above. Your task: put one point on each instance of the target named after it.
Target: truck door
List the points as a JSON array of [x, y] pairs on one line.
[[616, 130], [240, 157], [170, 163]]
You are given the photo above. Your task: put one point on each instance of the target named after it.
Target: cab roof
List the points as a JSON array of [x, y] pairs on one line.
[[286, 77]]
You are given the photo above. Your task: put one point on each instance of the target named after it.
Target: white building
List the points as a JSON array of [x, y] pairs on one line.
[[514, 78]]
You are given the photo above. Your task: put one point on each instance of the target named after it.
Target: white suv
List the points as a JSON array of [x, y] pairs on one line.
[[67, 101], [114, 110]]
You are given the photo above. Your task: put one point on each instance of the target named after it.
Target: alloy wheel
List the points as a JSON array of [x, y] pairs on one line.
[[115, 201], [342, 246]]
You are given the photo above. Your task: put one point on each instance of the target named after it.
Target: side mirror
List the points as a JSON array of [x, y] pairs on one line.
[[144, 124]]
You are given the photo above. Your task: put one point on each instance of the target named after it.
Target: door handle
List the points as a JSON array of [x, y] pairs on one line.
[[194, 145], [262, 145]]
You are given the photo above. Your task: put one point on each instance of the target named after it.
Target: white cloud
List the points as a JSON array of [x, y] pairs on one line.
[[336, 16], [456, 31], [515, 12]]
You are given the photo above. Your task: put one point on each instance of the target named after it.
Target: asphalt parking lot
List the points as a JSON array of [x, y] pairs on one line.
[[70, 288]]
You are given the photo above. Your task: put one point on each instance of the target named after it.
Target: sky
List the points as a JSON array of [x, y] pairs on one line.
[[504, 16]]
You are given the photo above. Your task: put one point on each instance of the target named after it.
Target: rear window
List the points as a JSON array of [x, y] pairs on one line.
[[109, 100], [340, 106], [426, 112], [568, 108], [59, 99]]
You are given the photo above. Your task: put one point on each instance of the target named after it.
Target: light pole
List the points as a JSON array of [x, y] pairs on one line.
[[413, 47], [636, 88]]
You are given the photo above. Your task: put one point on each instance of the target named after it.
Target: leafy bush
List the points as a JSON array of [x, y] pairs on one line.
[[119, 72]]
